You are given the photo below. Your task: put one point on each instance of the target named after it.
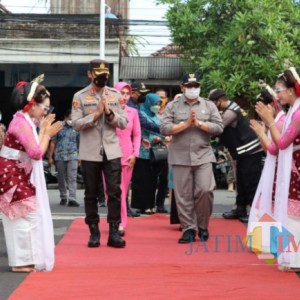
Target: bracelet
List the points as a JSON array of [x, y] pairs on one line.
[[272, 124]]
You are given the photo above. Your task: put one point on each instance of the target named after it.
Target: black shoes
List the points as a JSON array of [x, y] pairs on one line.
[[235, 213], [203, 234], [132, 214], [148, 211], [161, 209], [114, 239], [187, 237], [121, 232], [244, 219], [73, 203], [94, 240], [63, 202]]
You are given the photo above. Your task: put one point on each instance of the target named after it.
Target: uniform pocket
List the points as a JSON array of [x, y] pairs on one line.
[[181, 117]]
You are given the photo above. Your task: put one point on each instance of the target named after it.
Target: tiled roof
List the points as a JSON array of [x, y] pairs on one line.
[[152, 68], [170, 50]]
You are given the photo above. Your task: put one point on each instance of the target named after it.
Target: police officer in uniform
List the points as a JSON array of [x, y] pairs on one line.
[[244, 147], [96, 114]]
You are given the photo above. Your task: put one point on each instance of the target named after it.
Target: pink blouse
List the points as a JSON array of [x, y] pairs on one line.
[[273, 148], [130, 137], [22, 131]]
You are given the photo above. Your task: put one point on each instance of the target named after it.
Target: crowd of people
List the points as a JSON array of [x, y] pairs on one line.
[[111, 133]]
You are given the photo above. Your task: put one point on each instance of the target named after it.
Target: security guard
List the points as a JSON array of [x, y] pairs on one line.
[[96, 114], [244, 147]]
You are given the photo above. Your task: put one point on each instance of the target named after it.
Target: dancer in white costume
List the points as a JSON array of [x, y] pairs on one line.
[[24, 201], [287, 193], [263, 201]]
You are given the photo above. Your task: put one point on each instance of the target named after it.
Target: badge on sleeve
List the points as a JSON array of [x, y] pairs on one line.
[[75, 103], [111, 98]]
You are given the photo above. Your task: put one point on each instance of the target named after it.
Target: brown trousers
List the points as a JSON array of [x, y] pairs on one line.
[[193, 186]]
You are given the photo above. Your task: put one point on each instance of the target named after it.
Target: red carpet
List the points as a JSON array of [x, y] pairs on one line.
[[155, 266]]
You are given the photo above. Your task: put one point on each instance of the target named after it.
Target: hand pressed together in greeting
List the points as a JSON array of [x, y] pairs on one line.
[[192, 120], [258, 127], [49, 128], [265, 112]]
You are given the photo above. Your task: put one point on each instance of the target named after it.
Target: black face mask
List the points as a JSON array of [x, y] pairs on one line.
[[141, 98], [100, 81]]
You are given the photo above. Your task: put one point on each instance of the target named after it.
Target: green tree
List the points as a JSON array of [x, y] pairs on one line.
[[235, 43]]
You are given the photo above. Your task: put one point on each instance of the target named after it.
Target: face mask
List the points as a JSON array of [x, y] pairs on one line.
[[155, 109], [69, 122], [141, 98], [192, 93], [100, 81]]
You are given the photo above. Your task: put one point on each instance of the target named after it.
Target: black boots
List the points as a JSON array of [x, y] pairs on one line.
[[94, 240], [114, 239], [236, 213]]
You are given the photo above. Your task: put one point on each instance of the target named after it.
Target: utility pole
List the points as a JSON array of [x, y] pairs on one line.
[[102, 29]]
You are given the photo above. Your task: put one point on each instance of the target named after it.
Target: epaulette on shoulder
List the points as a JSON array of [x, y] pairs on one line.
[[112, 90], [208, 101], [176, 100], [234, 106], [83, 90]]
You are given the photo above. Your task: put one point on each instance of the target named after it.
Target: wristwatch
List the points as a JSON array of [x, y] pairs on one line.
[[200, 123]]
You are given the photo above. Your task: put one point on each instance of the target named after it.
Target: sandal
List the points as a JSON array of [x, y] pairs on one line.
[[23, 269]]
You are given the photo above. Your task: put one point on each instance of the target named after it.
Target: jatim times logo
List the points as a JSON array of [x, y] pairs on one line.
[[269, 239]]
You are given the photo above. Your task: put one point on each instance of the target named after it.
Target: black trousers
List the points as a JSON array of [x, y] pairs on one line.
[[92, 171], [248, 171], [144, 184], [162, 185], [174, 219]]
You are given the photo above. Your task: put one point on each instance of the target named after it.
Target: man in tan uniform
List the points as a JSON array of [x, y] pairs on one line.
[[96, 114], [192, 120]]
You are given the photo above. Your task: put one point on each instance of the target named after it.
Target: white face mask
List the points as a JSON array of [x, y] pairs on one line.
[[192, 93], [69, 122], [155, 109]]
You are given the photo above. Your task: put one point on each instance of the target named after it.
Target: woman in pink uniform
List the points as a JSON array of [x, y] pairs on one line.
[[130, 141]]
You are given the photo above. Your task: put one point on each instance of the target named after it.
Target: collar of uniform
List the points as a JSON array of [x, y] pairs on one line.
[[93, 92], [195, 101]]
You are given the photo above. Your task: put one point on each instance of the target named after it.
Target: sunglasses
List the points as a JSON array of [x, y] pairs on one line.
[[279, 90], [47, 109]]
